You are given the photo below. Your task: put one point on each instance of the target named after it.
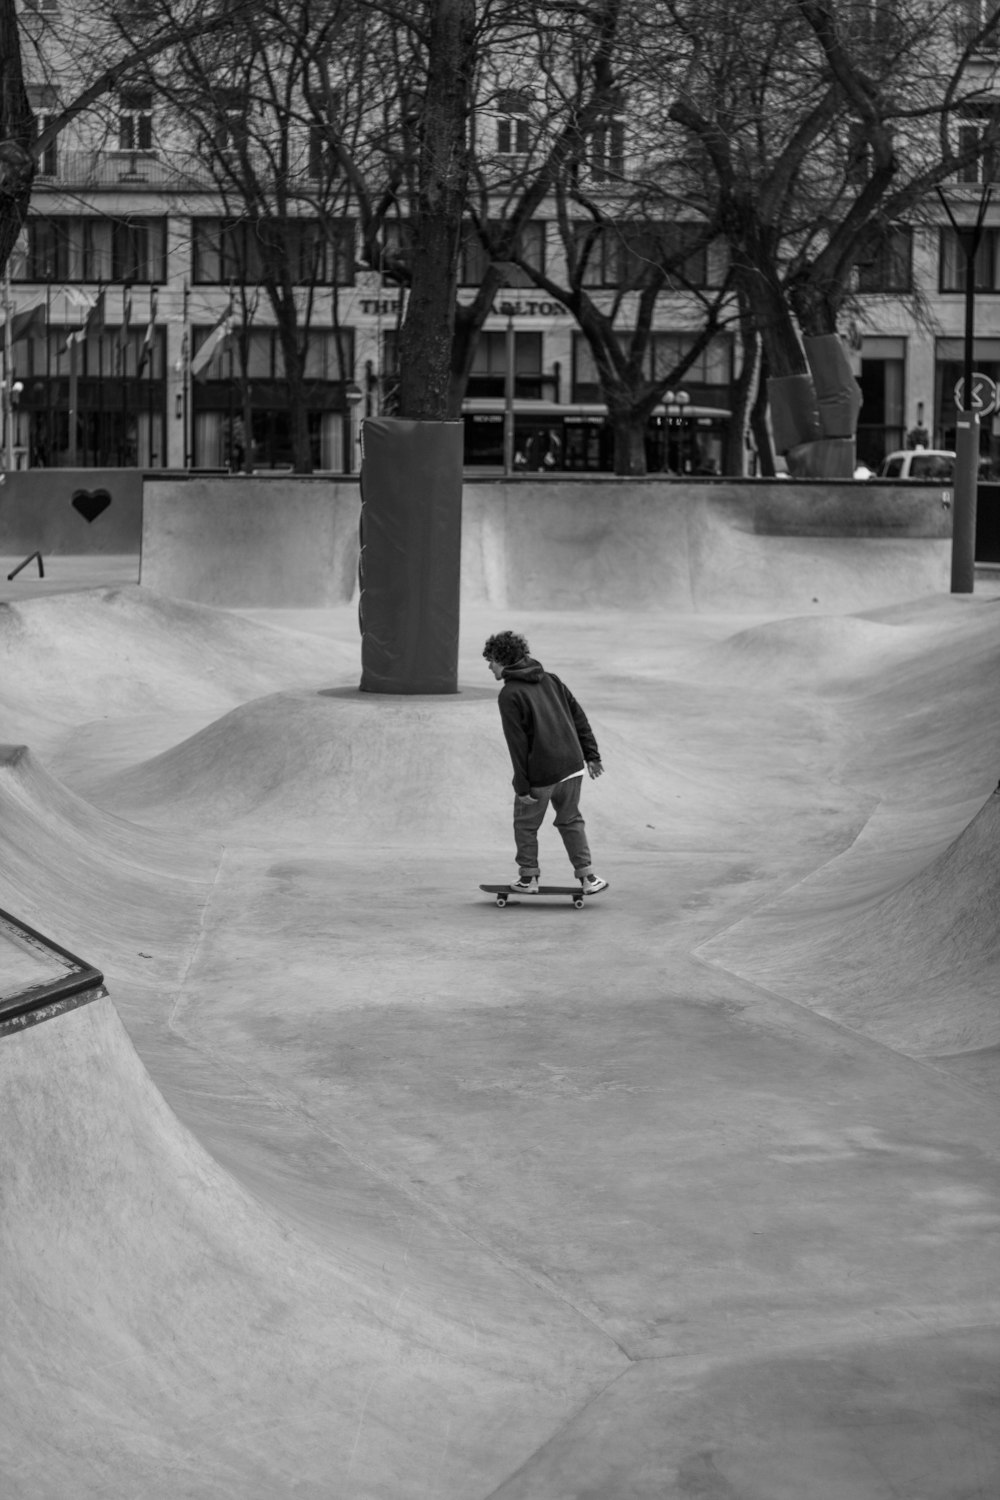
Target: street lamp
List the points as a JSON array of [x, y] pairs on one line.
[[675, 404], [507, 308], [11, 396], [963, 541]]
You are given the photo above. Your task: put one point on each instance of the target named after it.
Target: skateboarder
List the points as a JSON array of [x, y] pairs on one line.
[[551, 745]]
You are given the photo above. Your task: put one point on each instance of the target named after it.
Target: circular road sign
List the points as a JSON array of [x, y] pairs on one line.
[[983, 398]]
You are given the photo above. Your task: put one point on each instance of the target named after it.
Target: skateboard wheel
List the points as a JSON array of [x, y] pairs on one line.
[[501, 901], [578, 901]]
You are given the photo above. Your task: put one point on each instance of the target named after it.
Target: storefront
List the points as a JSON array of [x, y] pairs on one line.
[[549, 437]]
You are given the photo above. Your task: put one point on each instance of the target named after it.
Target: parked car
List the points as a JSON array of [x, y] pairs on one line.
[[933, 464]]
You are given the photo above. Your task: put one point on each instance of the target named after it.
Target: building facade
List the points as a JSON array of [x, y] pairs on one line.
[[135, 333]]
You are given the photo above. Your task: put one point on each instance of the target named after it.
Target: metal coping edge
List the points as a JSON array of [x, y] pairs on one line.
[[41, 1000]]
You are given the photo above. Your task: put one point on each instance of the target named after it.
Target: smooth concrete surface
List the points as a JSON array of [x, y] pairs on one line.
[[247, 540], [563, 543], [695, 549], [64, 574], [359, 1186]]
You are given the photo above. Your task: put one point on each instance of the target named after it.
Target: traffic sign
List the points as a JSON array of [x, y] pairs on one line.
[[984, 394]]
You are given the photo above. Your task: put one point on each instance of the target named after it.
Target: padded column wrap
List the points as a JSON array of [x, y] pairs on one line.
[[411, 548]]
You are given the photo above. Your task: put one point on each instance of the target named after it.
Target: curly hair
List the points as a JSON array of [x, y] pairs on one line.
[[506, 647]]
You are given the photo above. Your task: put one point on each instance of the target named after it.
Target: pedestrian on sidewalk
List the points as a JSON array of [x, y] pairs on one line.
[[551, 746]]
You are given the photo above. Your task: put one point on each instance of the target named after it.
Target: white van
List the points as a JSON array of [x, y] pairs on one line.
[[933, 464]]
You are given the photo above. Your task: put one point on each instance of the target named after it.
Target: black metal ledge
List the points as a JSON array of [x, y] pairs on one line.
[[76, 983]]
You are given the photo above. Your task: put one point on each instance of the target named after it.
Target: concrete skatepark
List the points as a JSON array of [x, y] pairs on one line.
[[353, 1185]]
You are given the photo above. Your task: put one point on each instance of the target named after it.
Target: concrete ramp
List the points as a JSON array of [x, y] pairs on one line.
[[403, 1196], [916, 968], [73, 664], [343, 765], [95, 882], [164, 1335]]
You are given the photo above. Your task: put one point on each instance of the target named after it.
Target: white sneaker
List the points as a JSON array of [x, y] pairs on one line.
[[527, 885], [592, 884]]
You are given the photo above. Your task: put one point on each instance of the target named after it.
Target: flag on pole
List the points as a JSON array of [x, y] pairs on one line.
[[24, 324], [146, 352], [123, 331], [215, 343], [94, 320]]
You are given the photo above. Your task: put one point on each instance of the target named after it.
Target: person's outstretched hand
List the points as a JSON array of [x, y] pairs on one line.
[[595, 768]]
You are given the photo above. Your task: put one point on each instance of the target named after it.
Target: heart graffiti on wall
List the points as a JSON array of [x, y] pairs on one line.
[[90, 503]]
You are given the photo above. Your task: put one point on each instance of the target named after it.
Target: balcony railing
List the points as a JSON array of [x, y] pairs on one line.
[[166, 171], [140, 170]]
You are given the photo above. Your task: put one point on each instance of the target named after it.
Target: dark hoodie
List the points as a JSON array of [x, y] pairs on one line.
[[546, 729]]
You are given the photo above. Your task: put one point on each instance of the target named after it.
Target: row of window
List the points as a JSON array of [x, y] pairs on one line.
[[106, 251], [116, 351], [91, 249]]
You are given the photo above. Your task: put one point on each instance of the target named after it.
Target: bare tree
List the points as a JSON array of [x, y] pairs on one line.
[[436, 212], [812, 129], [420, 183], [79, 61], [17, 133]]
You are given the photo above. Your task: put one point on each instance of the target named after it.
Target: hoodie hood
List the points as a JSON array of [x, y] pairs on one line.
[[525, 670]]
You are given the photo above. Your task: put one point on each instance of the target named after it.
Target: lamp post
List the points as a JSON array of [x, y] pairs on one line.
[[11, 396], [963, 540], [508, 391], [675, 404]]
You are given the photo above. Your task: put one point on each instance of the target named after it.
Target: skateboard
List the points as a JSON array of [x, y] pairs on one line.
[[503, 893]]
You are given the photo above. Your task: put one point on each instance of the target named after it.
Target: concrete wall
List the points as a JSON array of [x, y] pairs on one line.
[[713, 546], [563, 543], [37, 512], [242, 540]]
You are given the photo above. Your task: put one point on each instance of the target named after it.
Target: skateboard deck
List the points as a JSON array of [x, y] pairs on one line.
[[503, 893]]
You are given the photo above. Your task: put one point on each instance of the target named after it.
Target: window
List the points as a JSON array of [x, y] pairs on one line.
[[514, 124], [231, 120], [977, 145], [48, 162], [707, 379], [607, 150], [97, 259], [489, 365], [323, 163], [329, 354], [48, 256], [513, 136], [711, 371], [873, 29], [323, 131], [93, 249], [474, 258], [235, 250], [881, 427], [628, 255], [890, 266], [135, 120], [973, 17], [953, 262], [138, 250], [44, 100]]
